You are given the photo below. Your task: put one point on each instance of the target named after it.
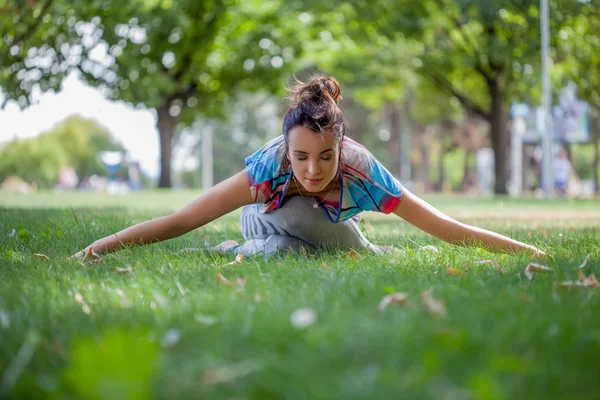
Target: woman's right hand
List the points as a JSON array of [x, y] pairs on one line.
[[86, 255]]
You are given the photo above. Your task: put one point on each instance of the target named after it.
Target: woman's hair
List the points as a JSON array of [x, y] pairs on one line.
[[315, 106]]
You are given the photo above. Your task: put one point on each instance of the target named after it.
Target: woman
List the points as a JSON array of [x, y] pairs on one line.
[[307, 188]]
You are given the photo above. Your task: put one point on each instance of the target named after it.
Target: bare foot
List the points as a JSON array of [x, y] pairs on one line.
[[224, 246]]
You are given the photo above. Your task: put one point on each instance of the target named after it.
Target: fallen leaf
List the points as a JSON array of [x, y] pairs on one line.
[[399, 297], [324, 266], [223, 279], [354, 254], [583, 281], [590, 281], [533, 268], [304, 252], [585, 261], [41, 256], [434, 306], [455, 272], [92, 257], [238, 259], [303, 317], [86, 309], [124, 271], [242, 282]]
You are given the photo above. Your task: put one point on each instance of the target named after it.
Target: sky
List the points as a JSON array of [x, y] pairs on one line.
[[134, 128]]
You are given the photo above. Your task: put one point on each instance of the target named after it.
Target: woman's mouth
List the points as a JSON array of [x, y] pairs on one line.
[[313, 181]]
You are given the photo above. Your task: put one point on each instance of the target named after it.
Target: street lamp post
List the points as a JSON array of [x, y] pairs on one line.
[[547, 142]]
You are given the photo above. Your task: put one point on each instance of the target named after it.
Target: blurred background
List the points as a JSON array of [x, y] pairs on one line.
[[109, 96]]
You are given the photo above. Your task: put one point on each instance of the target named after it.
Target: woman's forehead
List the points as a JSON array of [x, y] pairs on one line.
[[301, 138]]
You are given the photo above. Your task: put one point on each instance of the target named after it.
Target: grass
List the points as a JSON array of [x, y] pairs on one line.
[[170, 329]]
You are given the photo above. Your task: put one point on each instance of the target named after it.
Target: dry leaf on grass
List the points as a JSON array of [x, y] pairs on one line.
[[223, 279], [399, 297], [354, 254], [238, 259], [434, 306], [534, 268], [455, 272], [583, 281], [324, 266], [124, 271], [91, 257], [585, 261], [41, 256], [304, 252], [241, 282]]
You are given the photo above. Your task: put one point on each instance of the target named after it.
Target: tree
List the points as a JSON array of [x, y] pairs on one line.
[[482, 53], [185, 59], [40, 42], [578, 48], [76, 142]]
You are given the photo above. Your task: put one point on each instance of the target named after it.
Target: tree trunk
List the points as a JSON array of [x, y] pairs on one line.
[[466, 179], [166, 129], [595, 133], [499, 134], [422, 169], [393, 115], [441, 170]]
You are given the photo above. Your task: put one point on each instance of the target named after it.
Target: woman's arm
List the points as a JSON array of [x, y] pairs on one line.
[[427, 218], [219, 200]]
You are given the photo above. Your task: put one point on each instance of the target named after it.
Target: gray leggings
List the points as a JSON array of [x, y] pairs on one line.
[[295, 225]]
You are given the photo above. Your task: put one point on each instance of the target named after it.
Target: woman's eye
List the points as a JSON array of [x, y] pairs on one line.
[[300, 159], [326, 158]]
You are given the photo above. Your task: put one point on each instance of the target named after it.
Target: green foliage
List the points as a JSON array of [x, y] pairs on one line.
[[582, 157], [34, 160], [40, 42], [120, 365], [75, 142]]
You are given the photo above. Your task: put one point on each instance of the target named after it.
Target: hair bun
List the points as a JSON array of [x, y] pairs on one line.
[[320, 90]]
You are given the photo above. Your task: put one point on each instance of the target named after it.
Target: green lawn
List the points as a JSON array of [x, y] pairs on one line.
[[150, 322]]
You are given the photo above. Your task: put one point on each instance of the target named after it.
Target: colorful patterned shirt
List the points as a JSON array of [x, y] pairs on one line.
[[365, 184]]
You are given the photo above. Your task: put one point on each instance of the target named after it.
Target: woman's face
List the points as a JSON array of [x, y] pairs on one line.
[[314, 157]]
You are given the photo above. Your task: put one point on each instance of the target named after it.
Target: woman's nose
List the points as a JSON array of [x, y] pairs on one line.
[[313, 168]]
